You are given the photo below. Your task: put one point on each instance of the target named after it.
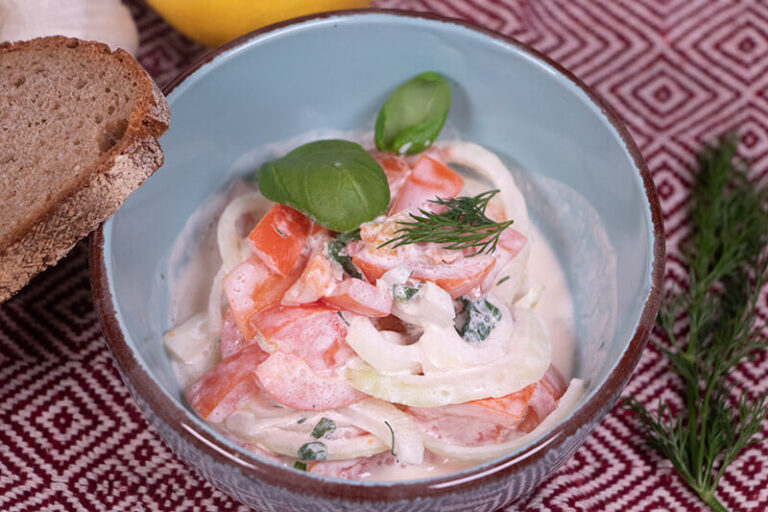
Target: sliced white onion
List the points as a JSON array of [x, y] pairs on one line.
[[374, 416], [489, 165], [531, 297], [287, 442], [517, 272], [189, 340], [248, 423], [378, 351], [193, 347], [525, 363], [443, 350], [214, 302], [397, 275], [231, 247], [431, 305]]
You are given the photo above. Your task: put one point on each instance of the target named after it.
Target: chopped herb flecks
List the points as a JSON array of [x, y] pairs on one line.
[[337, 253], [342, 318], [476, 320], [301, 466], [323, 426], [502, 280], [403, 293], [313, 451]]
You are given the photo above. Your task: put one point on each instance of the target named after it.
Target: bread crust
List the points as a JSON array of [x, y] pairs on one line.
[[82, 205]]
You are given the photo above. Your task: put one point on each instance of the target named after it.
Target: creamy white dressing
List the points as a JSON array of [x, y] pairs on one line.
[[195, 259], [555, 306]]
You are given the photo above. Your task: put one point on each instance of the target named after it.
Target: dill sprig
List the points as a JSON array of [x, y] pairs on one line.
[[461, 225], [727, 268]]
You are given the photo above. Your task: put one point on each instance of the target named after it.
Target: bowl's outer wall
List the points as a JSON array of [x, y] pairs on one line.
[[334, 72]]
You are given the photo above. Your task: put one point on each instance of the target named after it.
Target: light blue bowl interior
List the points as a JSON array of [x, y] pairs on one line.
[[581, 183]]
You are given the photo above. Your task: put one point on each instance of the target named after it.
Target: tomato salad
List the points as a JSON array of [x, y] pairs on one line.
[[398, 339]]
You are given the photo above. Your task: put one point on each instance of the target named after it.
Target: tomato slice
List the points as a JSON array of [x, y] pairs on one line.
[[522, 410], [232, 340], [370, 265], [508, 411], [544, 399], [512, 240], [279, 237], [457, 277], [433, 153], [313, 332], [273, 320], [216, 394], [360, 297], [252, 286], [290, 381], [316, 280], [428, 180], [396, 169]]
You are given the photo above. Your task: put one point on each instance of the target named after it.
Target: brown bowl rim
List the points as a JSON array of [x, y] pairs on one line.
[[289, 479]]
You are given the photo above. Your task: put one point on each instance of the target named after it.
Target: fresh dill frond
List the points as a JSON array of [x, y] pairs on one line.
[[392, 433], [341, 315], [727, 269], [461, 225]]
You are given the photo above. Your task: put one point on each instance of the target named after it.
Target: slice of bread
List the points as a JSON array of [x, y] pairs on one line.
[[78, 133]]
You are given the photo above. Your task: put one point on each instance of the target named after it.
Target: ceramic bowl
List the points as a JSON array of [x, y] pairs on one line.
[[586, 185]]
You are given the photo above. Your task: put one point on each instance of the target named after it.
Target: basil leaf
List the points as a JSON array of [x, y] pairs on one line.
[[476, 320], [323, 426], [313, 451], [336, 183], [403, 293], [412, 117], [335, 252]]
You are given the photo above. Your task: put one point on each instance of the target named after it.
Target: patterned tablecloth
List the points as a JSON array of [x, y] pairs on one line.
[[678, 71]]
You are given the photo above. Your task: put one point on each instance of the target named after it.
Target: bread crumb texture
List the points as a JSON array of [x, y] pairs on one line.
[[78, 133]]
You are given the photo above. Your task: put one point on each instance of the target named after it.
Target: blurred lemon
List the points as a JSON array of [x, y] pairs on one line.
[[219, 21]]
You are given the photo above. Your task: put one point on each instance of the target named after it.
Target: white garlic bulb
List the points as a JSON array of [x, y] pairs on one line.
[[108, 21]]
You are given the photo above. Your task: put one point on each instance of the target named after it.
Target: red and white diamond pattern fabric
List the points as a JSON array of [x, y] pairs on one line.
[[679, 72]]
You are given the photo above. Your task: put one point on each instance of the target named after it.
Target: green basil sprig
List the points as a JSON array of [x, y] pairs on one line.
[[412, 117], [336, 183]]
